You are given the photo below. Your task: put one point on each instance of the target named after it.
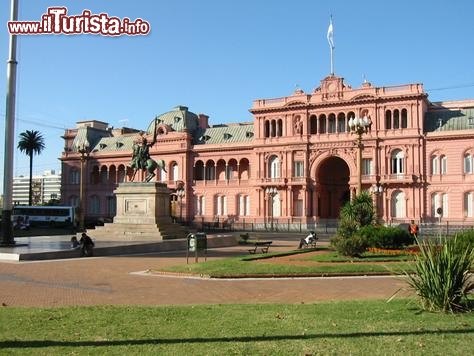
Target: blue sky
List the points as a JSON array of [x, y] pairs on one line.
[[216, 57]]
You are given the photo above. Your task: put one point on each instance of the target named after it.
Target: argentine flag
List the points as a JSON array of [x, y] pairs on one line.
[[331, 34]]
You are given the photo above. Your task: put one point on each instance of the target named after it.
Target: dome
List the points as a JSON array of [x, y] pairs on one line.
[[178, 120]]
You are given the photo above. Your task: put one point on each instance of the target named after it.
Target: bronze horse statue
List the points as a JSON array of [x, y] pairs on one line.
[[141, 158]]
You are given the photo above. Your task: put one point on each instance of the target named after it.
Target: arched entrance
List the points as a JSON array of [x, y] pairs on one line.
[[332, 186]]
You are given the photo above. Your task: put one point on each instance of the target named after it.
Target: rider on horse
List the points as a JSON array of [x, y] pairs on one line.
[[141, 158]]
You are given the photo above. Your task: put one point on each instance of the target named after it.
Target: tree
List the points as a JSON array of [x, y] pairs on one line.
[[31, 142], [353, 215]]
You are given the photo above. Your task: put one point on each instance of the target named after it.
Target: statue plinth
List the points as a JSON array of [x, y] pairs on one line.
[[143, 214], [142, 203]]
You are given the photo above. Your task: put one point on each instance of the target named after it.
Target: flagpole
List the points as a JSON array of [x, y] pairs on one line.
[[7, 228], [330, 36]]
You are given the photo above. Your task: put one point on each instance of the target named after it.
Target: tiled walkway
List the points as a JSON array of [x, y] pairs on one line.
[[114, 280]]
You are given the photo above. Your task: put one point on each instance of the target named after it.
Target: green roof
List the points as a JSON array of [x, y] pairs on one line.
[[449, 120], [224, 134]]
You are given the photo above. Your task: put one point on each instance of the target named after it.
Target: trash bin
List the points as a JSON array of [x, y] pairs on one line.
[[201, 239], [196, 242]]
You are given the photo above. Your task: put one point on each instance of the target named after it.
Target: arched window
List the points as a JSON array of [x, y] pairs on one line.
[[313, 125], [396, 119], [341, 122], [273, 128], [444, 165], [163, 175], [468, 164], [434, 165], [404, 118], [332, 123], [322, 123], [279, 128], [388, 120], [397, 162], [174, 171], [398, 204], [274, 167]]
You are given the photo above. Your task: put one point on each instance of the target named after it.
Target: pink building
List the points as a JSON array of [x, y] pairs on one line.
[[296, 163]]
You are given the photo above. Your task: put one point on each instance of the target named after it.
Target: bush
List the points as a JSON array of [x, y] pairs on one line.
[[441, 278], [354, 214], [385, 237], [352, 246], [465, 239]]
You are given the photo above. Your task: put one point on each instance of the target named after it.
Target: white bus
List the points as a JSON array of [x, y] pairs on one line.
[[24, 215]]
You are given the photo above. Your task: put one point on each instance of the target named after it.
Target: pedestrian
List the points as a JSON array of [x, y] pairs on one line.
[[308, 240], [413, 230], [87, 245], [74, 243]]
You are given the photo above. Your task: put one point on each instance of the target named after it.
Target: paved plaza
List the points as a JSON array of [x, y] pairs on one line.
[[120, 280]]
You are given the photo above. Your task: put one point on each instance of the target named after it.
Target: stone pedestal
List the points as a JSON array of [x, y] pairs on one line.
[[142, 203], [143, 214]]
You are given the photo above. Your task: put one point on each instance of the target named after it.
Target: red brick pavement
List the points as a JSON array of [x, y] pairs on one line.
[[112, 281]]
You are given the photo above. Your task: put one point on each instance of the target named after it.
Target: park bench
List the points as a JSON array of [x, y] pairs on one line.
[[263, 245]]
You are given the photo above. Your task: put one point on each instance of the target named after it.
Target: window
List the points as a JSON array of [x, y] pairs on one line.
[[397, 162], [332, 124], [468, 204], [74, 177], [274, 167], [341, 123], [94, 205], [299, 169], [175, 171], [210, 172], [229, 172], [298, 208], [367, 166], [444, 165], [398, 204], [163, 175], [244, 205], [313, 125], [434, 165], [468, 164], [388, 120], [439, 200], [200, 205], [221, 205]]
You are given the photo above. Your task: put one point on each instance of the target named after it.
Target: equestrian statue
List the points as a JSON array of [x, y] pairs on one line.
[[141, 159]]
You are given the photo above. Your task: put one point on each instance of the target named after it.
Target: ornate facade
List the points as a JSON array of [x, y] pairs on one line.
[[297, 161]]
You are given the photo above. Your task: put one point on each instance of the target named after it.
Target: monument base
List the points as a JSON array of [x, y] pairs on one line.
[[143, 213]]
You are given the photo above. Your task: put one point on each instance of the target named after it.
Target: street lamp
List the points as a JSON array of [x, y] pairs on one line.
[[84, 151], [271, 191], [180, 193], [359, 126], [377, 190]]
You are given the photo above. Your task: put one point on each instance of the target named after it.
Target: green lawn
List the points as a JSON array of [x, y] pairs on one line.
[[246, 265], [342, 328]]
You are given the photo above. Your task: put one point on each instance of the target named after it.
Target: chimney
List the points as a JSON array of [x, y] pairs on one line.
[[203, 121]]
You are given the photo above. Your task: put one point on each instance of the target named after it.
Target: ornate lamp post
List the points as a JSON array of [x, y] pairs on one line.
[[377, 190], [84, 151], [180, 193], [359, 126], [271, 191]]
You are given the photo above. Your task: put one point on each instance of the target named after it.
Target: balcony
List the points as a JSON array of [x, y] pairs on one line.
[[399, 178]]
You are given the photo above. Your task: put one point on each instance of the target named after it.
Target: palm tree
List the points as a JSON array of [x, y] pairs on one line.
[[31, 142]]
